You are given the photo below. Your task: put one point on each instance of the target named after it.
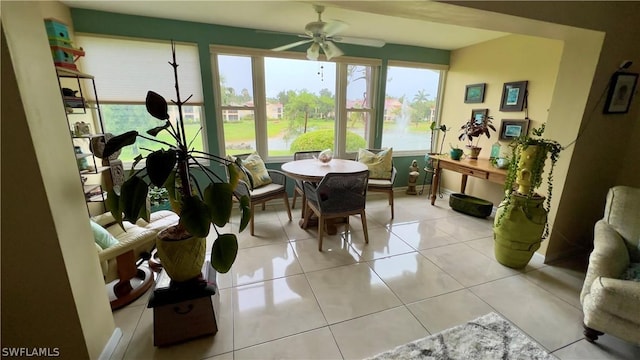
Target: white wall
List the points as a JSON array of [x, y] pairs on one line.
[[507, 59]]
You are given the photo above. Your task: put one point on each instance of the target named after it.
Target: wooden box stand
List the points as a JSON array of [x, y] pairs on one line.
[[186, 311]]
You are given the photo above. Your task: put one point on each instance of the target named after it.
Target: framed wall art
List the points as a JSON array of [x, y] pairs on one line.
[[623, 85], [474, 93], [514, 95], [478, 115], [511, 129]]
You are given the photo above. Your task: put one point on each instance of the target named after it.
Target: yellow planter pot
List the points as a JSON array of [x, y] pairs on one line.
[[519, 233], [182, 259]]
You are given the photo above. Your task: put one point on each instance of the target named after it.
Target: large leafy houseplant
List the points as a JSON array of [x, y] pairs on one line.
[[198, 208], [475, 128]]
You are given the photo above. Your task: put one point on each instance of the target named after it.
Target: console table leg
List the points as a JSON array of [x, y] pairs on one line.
[[434, 186]]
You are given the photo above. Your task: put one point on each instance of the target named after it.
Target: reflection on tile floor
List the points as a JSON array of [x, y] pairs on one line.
[[428, 269]]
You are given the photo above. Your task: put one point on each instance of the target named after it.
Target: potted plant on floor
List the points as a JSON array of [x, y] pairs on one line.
[[181, 248], [521, 220], [479, 125]]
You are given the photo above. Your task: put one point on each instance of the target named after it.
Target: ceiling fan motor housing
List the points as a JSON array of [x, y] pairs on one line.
[[314, 28]]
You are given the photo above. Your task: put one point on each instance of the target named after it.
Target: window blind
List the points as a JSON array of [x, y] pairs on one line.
[[125, 69]]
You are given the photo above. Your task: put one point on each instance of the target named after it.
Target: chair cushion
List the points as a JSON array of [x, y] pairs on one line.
[[267, 190], [101, 236], [258, 170], [380, 183], [380, 164], [243, 176]]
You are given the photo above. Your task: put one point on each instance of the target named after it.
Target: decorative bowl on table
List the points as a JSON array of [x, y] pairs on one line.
[[325, 156]]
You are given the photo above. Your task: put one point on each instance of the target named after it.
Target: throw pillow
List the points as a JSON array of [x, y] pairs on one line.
[[380, 164], [101, 236], [258, 170], [243, 175]]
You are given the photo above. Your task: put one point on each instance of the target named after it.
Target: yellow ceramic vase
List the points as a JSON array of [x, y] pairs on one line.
[[182, 259], [519, 233]]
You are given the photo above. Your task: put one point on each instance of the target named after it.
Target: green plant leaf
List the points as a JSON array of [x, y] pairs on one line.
[[145, 213], [234, 175], [157, 106], [118, 142], [112, 203], [133, 197], [160, 164], [245, 206], [157, 129], [219, 199], [246, 172], [195, 216], [224, 252]]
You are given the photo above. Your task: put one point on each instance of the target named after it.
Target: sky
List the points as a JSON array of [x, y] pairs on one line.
[[287, 74]]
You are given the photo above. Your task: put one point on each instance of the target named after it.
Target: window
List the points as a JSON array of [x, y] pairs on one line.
[[300, 100], [410, 107], [122, 82], [359, 107], [236, 103], [288, 104]]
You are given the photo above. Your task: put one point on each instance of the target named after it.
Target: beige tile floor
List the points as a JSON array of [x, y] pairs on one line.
[[429, 269]]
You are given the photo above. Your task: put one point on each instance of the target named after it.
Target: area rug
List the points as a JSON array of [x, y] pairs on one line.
[[487, 337]]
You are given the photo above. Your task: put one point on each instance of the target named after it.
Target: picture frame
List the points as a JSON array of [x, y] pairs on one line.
[[474, 93], [478, 115], [514, 96], [623, 86], [511, 129]]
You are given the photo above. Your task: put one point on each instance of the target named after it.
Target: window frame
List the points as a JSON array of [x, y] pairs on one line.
[[443, 69], [259, 96]]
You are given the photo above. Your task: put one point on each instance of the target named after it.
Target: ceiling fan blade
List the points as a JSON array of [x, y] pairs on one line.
[[331, 50], [358, 41], [292, 45], [333, 27], [282, 33]]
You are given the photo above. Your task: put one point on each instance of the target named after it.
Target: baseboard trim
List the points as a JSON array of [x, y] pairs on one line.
[[110, 347]]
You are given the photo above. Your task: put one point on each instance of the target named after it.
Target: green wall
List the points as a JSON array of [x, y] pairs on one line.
[[105, 23]]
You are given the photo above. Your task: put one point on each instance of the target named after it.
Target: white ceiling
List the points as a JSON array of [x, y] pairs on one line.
[[292, 16]]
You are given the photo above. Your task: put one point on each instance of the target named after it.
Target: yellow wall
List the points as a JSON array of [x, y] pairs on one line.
[[590, 167], [53, 294], [507, 59]]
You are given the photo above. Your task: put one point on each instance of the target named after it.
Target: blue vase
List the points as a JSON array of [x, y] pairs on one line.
[[455, 154]]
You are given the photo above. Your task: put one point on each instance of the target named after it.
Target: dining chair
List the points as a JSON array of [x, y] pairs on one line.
[[338, 195], [276, 188], [384, 185], [301, 155]]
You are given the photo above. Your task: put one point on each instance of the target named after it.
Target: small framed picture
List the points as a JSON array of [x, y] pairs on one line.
[[621, 90], [514, 95], [511, 129], [478, 115], [474, 93]]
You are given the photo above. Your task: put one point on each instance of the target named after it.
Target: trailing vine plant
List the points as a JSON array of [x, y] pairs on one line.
[[548, 149]]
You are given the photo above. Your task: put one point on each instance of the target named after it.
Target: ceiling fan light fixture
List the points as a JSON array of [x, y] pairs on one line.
[[313, 52], [331, 50]]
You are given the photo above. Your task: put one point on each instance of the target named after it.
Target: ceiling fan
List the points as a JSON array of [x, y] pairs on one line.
[[322, 36]]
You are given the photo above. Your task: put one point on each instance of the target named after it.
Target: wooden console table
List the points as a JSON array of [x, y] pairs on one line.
[[480, 168]]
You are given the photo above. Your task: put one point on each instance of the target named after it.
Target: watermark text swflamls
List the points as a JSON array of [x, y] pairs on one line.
[[30, 352]]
